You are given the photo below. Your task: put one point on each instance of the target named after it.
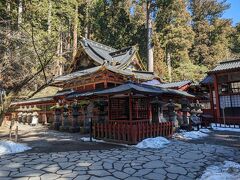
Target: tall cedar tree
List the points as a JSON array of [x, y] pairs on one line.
[[212, 40]]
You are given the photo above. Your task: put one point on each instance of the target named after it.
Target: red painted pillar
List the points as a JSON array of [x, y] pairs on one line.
[[130, 107], [131, 133], [109, 108], [217, 97], [150, 110]]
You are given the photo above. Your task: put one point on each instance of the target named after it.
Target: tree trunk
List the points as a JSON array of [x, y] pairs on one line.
[[75, 29], [49, 16], [149, 38], [6, 106], [169, 65], [20, 10], [87, 20], [69, 36], [58, 69]]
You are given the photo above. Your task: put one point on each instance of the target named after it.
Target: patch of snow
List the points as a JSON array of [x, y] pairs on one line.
[[217, 128], [190, 135], [157, 142], [9, 147], [227, 171], [87, 139], [205, 130]]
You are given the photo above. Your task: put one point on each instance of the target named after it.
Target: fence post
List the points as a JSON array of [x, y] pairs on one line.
[[134, 134], [16, 134], [90, 131]]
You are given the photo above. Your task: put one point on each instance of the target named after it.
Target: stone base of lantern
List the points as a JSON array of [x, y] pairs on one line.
[[56, 125], [84, 130], [64, 128], [74, 129]]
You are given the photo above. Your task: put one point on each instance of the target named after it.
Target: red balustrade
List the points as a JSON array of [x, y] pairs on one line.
[[131, 132]]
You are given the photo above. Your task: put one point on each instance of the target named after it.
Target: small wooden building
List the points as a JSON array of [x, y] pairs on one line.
[[223, 85]]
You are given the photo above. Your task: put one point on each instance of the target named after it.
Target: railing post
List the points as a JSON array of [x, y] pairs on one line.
[[134, 135], [16, 134], [90, 130]]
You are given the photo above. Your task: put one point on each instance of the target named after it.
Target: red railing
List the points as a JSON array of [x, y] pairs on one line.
[[131, 132]]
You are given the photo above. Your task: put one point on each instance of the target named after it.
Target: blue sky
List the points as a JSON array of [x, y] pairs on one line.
[[233, 12]]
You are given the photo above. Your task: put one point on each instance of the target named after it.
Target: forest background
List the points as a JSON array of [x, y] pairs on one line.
[[39, 38]]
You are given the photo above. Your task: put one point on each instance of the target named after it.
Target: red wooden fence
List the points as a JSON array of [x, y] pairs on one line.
[[131, 133]]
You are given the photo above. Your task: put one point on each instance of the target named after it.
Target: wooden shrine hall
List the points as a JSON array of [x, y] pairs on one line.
[[111, 87]]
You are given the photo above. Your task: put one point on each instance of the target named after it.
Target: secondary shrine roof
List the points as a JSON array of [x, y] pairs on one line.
[[207, 80], [227, 66], [177, 85], [137, 74], [35, 100], [137, 88]]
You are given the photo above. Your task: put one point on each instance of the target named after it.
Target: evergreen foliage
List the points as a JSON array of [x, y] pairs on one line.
[[191, 35]]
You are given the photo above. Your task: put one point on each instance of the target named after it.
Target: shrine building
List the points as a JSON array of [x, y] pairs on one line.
[[111, 87], [223, 86]]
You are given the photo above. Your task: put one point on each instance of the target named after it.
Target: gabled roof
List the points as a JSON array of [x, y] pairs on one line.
[[137, 74], [101, 53], [227, 65]]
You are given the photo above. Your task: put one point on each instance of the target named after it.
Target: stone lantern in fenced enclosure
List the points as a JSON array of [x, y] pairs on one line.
[[35, 115], [24, 115], [101, 106], [185, 109], [88, 115], [171, 112], [57, 119], [196, 111], [20, 114], [75, 114], [65, 122], [157, 110]]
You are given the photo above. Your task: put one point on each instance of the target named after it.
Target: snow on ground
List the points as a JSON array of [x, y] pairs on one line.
[[217, 128], [227, 171], [205, 130], [87, 139], [157, 142], [187, 135], [9, 147]]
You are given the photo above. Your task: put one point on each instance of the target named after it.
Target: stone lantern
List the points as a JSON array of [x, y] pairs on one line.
[[24, 115], [65, 123], [57, 119], [101, 105], [75, 113], [171, 112], [157, 107], [185, 109], [20, 114], [35, 115], [195, 112]]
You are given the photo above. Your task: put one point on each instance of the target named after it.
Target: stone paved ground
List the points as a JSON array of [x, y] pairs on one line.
[[41, 139], [179, 160], [224, 138]]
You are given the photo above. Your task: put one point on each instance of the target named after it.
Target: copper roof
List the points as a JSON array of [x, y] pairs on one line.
[[226, 65]]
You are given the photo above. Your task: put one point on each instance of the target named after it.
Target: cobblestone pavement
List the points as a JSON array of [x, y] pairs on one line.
[[178, 160]]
